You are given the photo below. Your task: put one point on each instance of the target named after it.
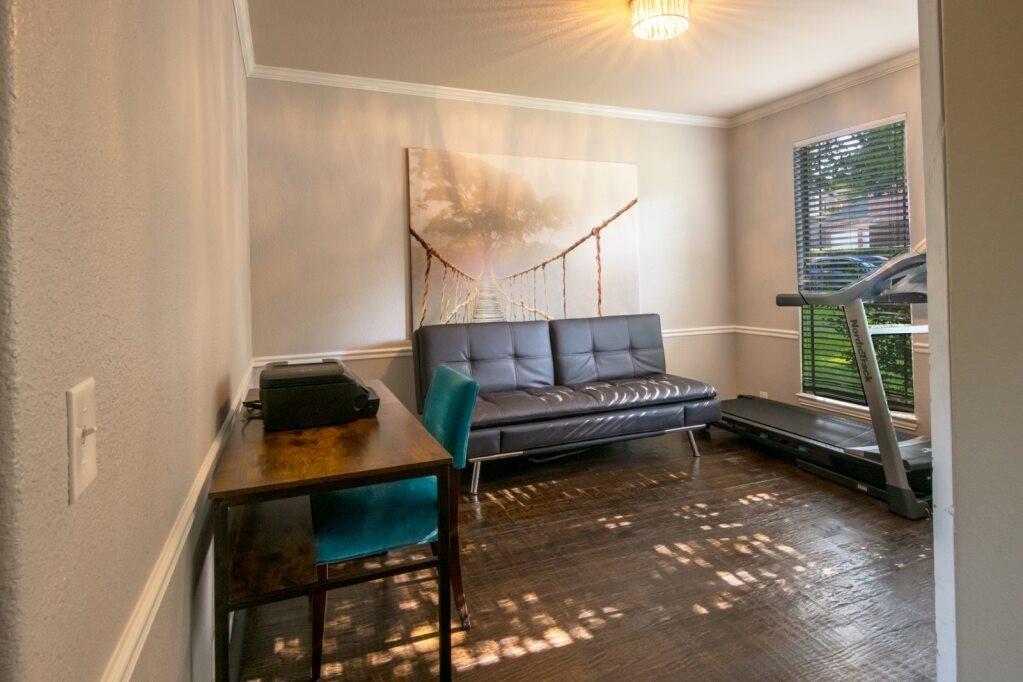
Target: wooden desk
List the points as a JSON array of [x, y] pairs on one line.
[[262, 529]]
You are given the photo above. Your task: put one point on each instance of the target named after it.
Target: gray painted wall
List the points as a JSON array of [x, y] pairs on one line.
[[329, 215], [131, 172], [8, 508], [125, 257], [763, 222]]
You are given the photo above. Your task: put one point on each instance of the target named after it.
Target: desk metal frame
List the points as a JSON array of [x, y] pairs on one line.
[[226, 497]]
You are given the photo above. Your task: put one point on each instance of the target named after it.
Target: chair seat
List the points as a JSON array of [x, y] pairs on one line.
[[360, 522]]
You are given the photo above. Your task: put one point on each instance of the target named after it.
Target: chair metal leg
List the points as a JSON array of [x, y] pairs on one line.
[[692, 442], [444, 523], [456, 583], [456, 553], [474, 483], [318, 611]]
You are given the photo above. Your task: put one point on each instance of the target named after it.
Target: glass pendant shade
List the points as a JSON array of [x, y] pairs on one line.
[[659, 19]]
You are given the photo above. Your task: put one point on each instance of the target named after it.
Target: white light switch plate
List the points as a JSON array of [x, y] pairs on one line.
[[81, 437]]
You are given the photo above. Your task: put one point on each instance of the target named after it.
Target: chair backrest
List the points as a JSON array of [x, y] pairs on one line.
[[448, 411], [501, 356]]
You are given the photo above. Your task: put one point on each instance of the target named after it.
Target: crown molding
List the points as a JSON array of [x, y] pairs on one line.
[[241, 16], [254, 70], [443, 92], [831, 87]]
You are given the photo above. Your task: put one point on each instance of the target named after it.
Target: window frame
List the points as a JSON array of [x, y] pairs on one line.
[[904, 420]]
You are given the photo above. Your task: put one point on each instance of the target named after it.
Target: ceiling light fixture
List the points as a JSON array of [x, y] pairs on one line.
[[659, 19]]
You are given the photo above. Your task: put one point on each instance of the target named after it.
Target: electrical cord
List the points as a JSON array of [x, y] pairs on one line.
[[253, 409]]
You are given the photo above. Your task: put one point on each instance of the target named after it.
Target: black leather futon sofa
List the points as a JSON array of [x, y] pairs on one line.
[[564, 384]]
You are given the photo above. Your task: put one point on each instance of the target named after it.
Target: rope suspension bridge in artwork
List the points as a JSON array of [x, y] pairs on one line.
[[523, 295]]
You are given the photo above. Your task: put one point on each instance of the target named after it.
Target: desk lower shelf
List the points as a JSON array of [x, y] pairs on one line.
[[272, 550], [273, 556]]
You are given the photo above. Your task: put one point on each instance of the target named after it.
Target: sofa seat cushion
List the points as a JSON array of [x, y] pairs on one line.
[[703, 412], [552, 402], [483, 442], [647, 390], [509, 407], [591, 427]]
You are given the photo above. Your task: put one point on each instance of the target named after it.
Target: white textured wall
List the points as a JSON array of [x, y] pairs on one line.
[[980, 52], [937, 302], [329, 214], [126, 256], [764, 229]]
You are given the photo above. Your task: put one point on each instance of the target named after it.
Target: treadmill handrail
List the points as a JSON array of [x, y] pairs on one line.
[[866, 288]]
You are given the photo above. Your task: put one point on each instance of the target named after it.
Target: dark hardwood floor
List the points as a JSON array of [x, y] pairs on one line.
[[636, 561]]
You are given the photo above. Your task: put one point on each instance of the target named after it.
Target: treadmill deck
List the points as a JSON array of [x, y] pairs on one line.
[[827, 431]]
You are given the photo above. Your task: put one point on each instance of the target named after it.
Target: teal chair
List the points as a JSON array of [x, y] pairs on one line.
[[374, 519]]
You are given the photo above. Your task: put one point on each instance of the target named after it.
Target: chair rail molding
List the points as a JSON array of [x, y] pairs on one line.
[[697, 331], [766, 331], [404, 349]]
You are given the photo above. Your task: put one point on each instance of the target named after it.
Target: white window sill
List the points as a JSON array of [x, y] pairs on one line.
[[902, 420]]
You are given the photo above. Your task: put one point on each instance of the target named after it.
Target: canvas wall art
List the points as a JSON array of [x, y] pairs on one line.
[[519, 238]]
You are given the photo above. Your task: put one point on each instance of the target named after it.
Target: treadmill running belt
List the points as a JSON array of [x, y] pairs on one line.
[[801, 422]]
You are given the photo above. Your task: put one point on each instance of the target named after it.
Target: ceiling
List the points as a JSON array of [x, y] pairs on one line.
[[737, 55]]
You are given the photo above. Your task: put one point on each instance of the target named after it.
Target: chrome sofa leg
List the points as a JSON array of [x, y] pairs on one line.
[[692, 442], [474, 483]]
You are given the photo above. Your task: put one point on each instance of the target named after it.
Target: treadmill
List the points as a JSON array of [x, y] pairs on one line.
[[874, 458]]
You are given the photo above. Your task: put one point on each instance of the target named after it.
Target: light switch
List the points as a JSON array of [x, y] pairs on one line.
[[81, 437]]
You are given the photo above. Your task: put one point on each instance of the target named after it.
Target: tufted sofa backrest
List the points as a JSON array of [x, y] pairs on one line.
[[601, 348], [506, 356], [501, 356]]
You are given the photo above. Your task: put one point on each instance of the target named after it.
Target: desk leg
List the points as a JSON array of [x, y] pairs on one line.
[[444, 571], [221, 564]]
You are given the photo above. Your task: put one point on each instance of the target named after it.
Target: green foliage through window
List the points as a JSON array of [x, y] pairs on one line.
[[852, 214]]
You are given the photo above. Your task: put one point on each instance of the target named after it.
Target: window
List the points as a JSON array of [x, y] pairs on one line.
[[852, 214]]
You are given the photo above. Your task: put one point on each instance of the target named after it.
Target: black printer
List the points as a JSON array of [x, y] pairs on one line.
[[322, 393]]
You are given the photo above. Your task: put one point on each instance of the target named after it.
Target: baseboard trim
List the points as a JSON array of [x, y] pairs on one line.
[[122, 662]]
